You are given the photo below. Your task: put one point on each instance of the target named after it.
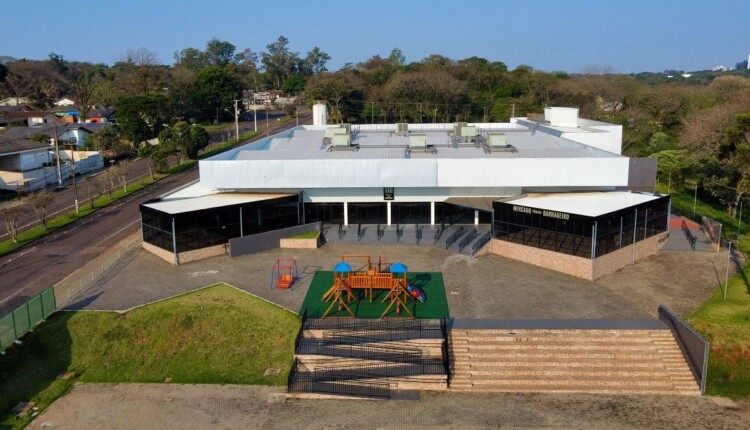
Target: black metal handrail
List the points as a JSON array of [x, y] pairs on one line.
[[399, 232], [693, 346], [454, 237], [438, 233], [304, 382], [467, 239], [688, 234], [386, 370], [300, 333], [480, 243], [359, 232], [332, 348], [419, 232], [370, 324], [341, 228]]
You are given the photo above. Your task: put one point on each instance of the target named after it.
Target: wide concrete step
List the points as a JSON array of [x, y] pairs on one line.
[[571, 381], [535, 337], [463, 365], [539, 354], [517, 372], [564, 346], [561, 389], [541, 332]]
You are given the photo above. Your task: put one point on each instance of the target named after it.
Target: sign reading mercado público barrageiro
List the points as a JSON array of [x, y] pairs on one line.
[[543, 212]]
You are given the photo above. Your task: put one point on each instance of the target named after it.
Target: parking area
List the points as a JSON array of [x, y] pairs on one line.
[[485, 287]]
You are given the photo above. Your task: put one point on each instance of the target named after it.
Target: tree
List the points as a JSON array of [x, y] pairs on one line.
[[83, 91], [11, 216], [315, 61], [190, 58], [106, 139], [182, 138], [40, 200], [122, 171], [294, 84], [217, 88], [742, 65], [279, 62], [219, 52], [334, 88], [142, 117], [397, 57]]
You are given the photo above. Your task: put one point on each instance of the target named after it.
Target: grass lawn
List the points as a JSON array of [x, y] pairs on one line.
[[726, 325], [217, 335], [308, 235], [436, 305]]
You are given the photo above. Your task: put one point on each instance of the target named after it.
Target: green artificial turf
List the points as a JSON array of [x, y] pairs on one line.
[[436, 305]]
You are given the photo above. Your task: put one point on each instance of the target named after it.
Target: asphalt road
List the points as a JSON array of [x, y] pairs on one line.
[[63, 198], [39, 265]]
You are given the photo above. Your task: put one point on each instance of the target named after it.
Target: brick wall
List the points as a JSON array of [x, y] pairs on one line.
[[298, 243], [613, 261], [200, 254], [570, 264], [579, 266], [165, 255]]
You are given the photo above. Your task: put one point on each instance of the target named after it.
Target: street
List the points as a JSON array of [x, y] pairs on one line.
[[39, 265]]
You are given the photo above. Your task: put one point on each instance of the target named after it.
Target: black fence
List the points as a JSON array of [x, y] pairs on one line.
[[375, 371], [467, 239], [694, 347], [268, 240], [480, 243], [340, 348], [688, 234], [304, 382], [454, 237]]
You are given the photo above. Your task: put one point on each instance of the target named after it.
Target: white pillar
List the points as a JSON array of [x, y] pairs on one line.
[[388, 211], [346, 213], [432, 213], [476, 217]]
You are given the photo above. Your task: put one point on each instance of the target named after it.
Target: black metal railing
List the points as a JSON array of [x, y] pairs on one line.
[[419, 232], [335, 348], [399, 232], [438, 233], [454, 237], [688, 234], [480, 243], [375, 371], [467, 239], [380, 233], [694, 347], [301, 332], [370, 324], [341, 229], [447, 350], [359, 232], [304, 382]]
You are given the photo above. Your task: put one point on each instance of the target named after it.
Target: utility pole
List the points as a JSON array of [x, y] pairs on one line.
[[57, 156], [513, 111], [236, 121], [372, 112], [726, 279]]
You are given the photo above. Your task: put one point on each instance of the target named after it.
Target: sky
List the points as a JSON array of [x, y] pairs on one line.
[[569, 35]]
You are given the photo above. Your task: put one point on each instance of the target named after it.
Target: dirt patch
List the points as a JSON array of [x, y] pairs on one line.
[[682, 281], [169, 406]]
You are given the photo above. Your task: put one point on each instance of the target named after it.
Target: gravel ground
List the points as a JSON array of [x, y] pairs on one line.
[[185, 407]]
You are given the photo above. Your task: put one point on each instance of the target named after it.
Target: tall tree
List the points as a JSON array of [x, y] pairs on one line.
[[217, 88], [315, 61], [279, 62], [219, 52], [142, 117]]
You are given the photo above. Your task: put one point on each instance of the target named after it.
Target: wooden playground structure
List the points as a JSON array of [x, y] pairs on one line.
[[368, 278]]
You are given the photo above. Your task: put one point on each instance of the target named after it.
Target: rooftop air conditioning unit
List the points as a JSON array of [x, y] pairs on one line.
[[341, 140], [417, 141], [497, 140], [346, 126], [467, 131], [402, 127], [330, 132]]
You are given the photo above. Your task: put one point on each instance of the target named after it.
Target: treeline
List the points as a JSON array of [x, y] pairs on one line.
[[697, 127]]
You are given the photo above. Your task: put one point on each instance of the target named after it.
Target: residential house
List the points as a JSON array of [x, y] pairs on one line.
[[65, 102]]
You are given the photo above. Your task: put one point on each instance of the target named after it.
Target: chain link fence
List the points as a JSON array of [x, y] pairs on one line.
[[25, 317], [72, 287]]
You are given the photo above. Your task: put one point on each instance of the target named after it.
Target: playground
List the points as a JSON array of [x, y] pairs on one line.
[[358, 287]]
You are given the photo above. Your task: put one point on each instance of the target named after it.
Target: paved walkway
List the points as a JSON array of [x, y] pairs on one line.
[[185, 407], [484, 287]]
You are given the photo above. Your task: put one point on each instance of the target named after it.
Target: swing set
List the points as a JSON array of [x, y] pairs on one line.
[[284, 273]]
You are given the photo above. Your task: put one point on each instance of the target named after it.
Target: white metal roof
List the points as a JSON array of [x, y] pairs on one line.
[[188, 204], [588, 204]]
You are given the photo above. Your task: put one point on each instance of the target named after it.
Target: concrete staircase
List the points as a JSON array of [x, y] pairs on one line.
[[570, 361], [407, 234], [678, 241], [331, 360]]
